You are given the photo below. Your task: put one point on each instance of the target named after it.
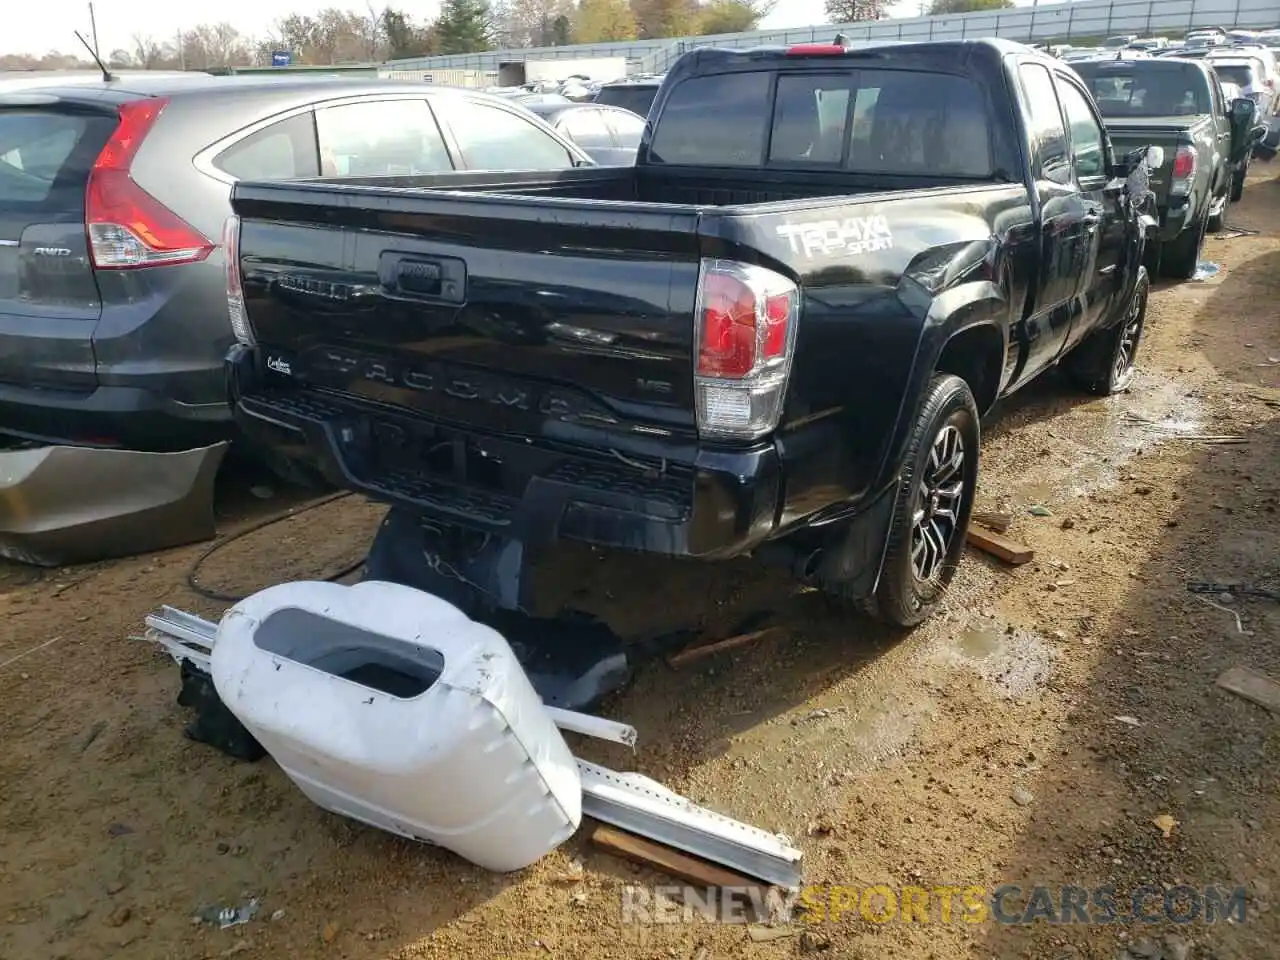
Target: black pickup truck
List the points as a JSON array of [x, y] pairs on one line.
[[775, 335], [1177, 105]]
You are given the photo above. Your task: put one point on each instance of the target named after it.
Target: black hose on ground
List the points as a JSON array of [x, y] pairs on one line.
[[193, 572]]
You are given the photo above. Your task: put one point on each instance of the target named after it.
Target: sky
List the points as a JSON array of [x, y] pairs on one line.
[[118, 20]]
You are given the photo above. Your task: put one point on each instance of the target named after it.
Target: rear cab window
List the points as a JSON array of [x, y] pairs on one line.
[[1146, 88], [866, 121]]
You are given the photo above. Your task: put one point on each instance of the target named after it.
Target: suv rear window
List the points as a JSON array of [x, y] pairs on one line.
[[1241, 74], [1146, 89], [42, 150], [868, 121], [637, 98]]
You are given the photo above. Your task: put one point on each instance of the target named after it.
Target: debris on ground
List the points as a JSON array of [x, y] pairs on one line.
[[759, 933], [1253, 686], [999, 546], [1039, 510], [692, 654], [993, 520], [1165, 823], [666, 859], [314, 645], [227, 917], [1205, 270]]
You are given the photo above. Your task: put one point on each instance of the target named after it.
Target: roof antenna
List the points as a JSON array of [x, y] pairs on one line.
[[106, 74], [842, 41]]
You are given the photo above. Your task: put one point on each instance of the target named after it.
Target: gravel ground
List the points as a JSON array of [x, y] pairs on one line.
[[983, 749]]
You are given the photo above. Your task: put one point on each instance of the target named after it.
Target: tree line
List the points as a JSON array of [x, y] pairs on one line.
[[335, 35]]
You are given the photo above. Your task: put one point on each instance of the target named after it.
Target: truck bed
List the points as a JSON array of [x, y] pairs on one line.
[[702, 187]]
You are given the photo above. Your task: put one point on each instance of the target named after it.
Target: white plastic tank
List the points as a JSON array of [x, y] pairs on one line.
[[391, 706]]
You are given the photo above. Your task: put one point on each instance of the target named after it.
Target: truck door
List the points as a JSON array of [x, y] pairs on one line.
[[1065, 242], [1104, 217]]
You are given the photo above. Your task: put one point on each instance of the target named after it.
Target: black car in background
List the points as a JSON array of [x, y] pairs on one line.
[[113, 196], [609, 135]]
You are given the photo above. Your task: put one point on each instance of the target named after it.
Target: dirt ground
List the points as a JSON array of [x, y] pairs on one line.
[[1031, 735]]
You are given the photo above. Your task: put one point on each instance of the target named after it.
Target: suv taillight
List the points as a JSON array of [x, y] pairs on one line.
[[1184, 170], [235, 287], [127, 227], [745, 330]]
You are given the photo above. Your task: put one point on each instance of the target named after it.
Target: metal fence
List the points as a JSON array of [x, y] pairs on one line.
[[1046, 21]]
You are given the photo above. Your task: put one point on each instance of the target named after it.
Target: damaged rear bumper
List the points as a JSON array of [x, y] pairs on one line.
[[711, 504], [63, 505]]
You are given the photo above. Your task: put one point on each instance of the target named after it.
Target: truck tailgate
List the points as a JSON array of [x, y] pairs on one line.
[[1134, 135], [496, 311]]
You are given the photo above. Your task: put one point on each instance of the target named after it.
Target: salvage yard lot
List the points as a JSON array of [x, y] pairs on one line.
[[982, 749]]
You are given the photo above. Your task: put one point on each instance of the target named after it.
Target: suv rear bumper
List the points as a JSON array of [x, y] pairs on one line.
[[718, 504], [111, 416]]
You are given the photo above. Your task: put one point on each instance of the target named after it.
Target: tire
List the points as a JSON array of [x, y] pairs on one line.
[[1237, 181], [1105, 363], [1180, 256], [947, 423]]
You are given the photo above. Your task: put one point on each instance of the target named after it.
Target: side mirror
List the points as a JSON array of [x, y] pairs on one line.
[[1243, 115]]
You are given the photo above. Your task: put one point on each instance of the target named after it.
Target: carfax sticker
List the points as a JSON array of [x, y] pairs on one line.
[[853, 235]]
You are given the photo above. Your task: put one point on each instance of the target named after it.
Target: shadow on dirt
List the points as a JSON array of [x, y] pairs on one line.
[[1199, 754]]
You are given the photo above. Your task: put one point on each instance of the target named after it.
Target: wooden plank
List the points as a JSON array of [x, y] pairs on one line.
[[707, 649], [999, 522], [998, 545], [670, 861], [1253, 686]]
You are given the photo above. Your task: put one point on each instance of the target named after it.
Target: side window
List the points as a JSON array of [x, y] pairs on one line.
[[380, 138], [491, 138], [1086, 133], [716, 120], [281, 151], [587, 128], [1219, 104], [1047, 130], [627, 128]]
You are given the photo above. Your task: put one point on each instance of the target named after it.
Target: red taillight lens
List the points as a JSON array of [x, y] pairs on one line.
[[1184, 163], [127, 227], [728, 344], [745, 336]]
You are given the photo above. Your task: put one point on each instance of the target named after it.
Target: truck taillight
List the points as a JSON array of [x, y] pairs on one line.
[[1184, 170], [127, 227], [745, 330], [235, 288]]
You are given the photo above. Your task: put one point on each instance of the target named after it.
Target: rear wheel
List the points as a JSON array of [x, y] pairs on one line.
[[932, 506], [1106, 362], [1180, 256]]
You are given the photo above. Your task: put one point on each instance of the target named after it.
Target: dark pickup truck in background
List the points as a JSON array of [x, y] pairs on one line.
[[777, 333], [1177, 105]]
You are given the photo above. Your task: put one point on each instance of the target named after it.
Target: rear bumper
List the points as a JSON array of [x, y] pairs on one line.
[[715, 504], [111, 416]]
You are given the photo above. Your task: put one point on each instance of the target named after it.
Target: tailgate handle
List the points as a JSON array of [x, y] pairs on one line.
[[423, 278]]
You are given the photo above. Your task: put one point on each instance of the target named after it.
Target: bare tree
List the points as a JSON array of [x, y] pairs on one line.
[[850, 11], [147, 54]]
